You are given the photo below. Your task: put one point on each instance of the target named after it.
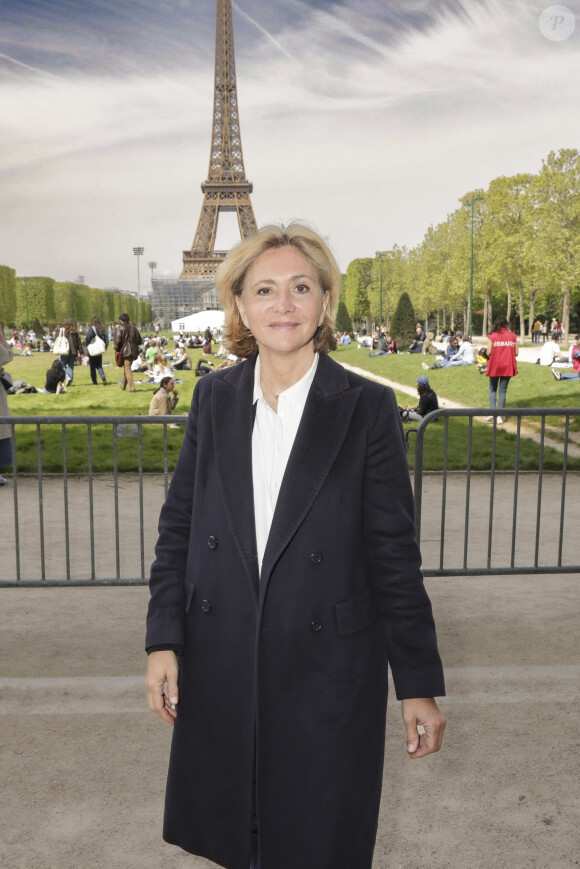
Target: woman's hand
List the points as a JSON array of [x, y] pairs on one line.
[[162, 670], [425, 726]]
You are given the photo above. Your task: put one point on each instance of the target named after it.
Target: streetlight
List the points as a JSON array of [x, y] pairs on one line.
[[380, 254], [152, 266], [138, 251], [471, 203]]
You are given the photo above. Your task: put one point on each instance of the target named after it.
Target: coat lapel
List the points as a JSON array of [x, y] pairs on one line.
[[325, 422], [232, 420]]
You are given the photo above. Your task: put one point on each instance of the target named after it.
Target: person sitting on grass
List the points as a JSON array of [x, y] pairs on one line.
[[417, 345], [452, 350], [160, 369], [550, 352], [139, 364], [181, 360], [55, 377], [481, 360], [575, 358], [427, 402], [162, 404], [386, 346]]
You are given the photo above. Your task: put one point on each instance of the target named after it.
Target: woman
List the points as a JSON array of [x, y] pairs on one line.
[[55, 378], [75, 349], [502, 349], [286, 574], [6, 356], [96, 332], [162, 404], [160, 369]]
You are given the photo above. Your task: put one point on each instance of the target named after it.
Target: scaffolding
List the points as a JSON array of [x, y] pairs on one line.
[[173, 298]]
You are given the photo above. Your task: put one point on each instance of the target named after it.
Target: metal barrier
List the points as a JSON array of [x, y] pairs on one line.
[[529, 519], [93, 521], [84, 510]]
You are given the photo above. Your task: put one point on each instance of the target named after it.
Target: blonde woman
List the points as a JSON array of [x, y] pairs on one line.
[[286, 577]]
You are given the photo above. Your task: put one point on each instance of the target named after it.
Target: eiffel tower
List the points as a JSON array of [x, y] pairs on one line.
[[226, 188]]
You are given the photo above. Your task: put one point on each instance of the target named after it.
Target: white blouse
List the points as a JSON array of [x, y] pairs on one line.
[[272, 440]]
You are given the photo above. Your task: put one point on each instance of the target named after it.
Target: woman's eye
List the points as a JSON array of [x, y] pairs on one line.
[[264, 291], [301, 289]]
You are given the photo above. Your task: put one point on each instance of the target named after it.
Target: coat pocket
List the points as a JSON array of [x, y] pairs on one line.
[[355, 614], [189, 592]]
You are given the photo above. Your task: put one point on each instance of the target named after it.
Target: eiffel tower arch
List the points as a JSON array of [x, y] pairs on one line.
[[226, 187]]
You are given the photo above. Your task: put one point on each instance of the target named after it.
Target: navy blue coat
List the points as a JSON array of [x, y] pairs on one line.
[[283, 679]]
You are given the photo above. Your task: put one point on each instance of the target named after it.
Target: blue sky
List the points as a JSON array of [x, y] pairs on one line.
[[368, 119]]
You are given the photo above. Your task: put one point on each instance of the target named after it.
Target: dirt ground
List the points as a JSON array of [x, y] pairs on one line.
[[83, 762]]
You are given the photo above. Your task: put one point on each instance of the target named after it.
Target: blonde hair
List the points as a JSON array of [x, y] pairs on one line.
[[232, 272]]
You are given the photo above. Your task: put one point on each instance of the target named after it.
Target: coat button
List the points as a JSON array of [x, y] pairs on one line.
[[316, 625], [212, 542], [316, 558], [206, 606]]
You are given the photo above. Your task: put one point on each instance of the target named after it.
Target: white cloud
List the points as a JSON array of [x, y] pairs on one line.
[[369, 137]]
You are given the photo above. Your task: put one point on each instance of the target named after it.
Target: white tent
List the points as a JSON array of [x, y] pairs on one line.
[[199, 322]]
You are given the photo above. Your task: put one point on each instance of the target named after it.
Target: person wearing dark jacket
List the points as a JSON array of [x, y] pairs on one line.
[[427, 402], [95, 332], [286, 578], [55, 378], [126, 342], [75, 349]]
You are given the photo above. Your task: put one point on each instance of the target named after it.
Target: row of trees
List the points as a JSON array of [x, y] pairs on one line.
[[526, 242], [42, 302]]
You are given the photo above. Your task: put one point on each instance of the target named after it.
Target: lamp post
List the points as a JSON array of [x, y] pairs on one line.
[[138, 251], [471, 204]]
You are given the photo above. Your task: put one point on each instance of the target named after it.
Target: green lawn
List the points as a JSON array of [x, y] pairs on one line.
[[533, 387], [84, 399]]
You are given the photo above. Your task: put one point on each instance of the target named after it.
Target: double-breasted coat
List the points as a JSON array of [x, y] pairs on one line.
[[283, 677]]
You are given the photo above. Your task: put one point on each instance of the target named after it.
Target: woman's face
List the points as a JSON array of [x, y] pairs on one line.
[[169, 385], [282, 302]]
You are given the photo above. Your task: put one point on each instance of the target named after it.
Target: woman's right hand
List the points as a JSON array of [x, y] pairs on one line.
[[162, 670]]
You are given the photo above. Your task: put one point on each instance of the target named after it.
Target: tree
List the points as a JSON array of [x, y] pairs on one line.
[[7, 296], [358, 281], [556, 194], [343, 321], [404, 321]]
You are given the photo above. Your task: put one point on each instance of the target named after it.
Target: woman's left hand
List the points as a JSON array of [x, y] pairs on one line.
[[425, 726]]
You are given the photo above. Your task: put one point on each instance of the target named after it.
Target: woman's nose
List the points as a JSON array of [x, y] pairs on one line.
[[284, 300]]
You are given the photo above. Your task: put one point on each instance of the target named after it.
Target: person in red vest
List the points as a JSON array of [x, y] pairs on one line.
[[502, 349]]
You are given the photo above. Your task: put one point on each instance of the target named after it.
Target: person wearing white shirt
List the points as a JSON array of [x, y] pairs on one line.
[[286, 576], [550, 352]]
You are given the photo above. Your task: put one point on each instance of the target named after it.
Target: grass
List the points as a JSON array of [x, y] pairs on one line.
[[84, 399], [533, 387]]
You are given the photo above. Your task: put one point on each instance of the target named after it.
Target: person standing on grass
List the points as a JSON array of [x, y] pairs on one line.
[[502, 349], [6, 356], [75, 349], [127, 342], [94, 332]]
